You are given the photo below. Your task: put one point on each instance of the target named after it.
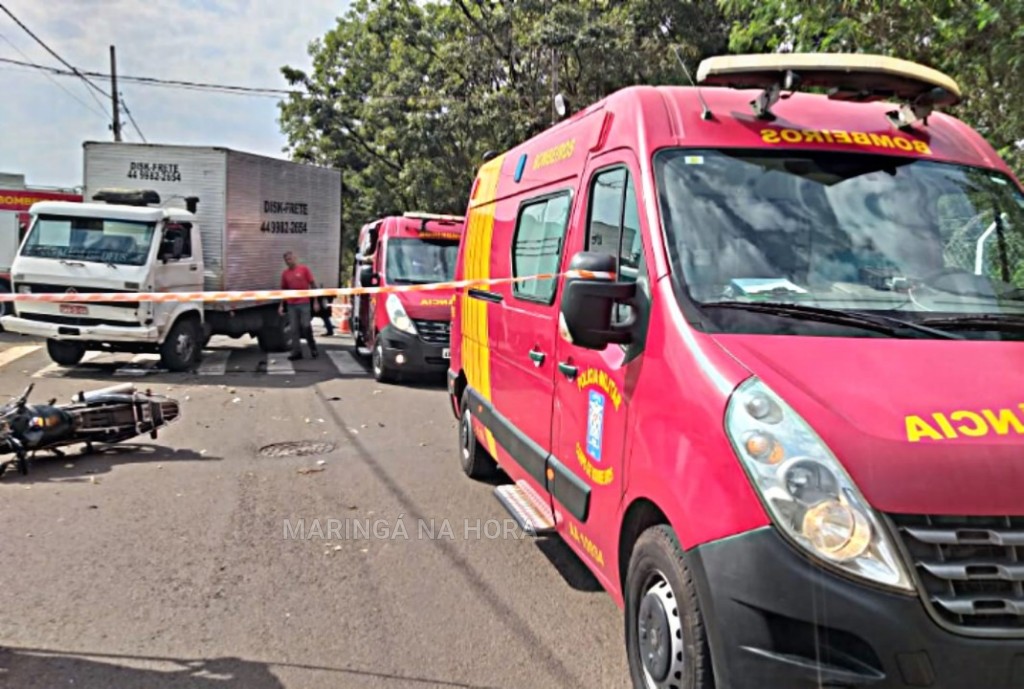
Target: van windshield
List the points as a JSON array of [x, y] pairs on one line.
[[90, 239], [925, 241], [415, 261]]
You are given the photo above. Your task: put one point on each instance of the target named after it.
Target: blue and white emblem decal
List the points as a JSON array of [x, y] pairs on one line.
[[595, 424]]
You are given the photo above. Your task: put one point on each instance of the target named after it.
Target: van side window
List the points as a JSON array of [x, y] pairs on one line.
[[537, 246], [185, 232], [614, 225]]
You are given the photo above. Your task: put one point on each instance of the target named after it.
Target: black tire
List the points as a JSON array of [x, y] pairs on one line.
[[272, 338], [180, 350], [663, 620], [65, 353], [474, 458], [382, 373], [6, 307]]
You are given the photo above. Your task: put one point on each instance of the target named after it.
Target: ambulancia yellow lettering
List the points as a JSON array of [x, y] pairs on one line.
[[975, 429], [965, 423], [1002, 421], [918, 428]]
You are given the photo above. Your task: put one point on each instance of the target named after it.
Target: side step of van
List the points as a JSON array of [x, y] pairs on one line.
[[531, 512]]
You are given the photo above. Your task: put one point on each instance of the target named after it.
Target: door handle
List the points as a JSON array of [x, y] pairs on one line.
[[568, 370], [537, 356], [193, 268]]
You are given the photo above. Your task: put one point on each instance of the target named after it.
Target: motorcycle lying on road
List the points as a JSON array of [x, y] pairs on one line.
[[104, 416]]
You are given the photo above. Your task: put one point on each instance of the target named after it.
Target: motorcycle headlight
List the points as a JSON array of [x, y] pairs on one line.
[[397, 315], [807, 492]]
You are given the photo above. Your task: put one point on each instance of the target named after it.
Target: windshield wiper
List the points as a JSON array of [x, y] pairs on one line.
[[71, 263], [883, 324], [980, 321]]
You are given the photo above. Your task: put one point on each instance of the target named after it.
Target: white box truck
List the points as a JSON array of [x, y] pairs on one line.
[[167, 218]]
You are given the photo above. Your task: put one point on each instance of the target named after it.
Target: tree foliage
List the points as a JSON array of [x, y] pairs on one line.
[[977, 42], [406, 97]]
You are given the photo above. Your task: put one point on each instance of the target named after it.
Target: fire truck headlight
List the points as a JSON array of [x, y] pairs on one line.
[[397, 315], [805, 489]]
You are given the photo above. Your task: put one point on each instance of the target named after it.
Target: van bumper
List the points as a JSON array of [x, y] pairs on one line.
[[83, 333], [409, 354], [775, 620]]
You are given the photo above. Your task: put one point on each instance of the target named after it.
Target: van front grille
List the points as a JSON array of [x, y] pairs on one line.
[[971, 569], [433, 332]]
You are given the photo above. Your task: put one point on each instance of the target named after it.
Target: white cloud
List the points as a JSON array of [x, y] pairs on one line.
[[238, 42]]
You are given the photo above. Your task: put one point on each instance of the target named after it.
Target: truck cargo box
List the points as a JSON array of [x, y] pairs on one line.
[[251, 208]]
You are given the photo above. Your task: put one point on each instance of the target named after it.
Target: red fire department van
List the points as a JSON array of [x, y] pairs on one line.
[[405, 334], [788, 435]]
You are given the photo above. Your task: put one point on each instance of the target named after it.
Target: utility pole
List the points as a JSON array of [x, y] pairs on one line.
[[113, 96]]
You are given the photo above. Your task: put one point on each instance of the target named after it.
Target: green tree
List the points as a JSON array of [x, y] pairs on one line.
[[407, 98]]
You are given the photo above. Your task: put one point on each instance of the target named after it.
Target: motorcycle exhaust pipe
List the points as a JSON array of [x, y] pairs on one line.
[[112, 390]]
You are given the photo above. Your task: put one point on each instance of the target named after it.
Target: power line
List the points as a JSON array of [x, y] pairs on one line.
[[131, 118], [56, 83], [173, 83], [52, 52]]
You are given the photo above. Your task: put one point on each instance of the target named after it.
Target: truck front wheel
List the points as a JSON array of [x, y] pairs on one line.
[[666, 643], [181, 348], [65, 353]]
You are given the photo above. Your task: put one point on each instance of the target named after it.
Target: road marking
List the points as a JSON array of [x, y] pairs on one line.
[[346, 363], [215, 363], [280, 366], [56, 370], [16, 352]]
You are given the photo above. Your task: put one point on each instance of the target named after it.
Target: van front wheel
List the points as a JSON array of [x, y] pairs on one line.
[[665, 639], [181, 348]]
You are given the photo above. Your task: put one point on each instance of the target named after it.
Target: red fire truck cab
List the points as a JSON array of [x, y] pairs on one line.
[[788, 435], [405, 333]]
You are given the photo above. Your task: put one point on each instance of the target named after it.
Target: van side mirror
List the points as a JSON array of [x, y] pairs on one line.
[[367, 278], [588, 304]]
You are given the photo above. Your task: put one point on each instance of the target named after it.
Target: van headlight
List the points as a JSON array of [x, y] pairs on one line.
[[397, 315], [807, 492]]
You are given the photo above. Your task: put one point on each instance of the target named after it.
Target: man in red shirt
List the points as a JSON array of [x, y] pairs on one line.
[[298, 276]]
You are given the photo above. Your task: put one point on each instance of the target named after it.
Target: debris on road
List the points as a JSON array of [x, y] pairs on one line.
[[310, 470]]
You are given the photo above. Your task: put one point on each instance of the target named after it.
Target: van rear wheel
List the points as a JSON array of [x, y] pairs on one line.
[[473, 456], [666, 643], [65, 353]]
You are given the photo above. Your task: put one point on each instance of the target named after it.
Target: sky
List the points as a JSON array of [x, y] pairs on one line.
[[236, 42]]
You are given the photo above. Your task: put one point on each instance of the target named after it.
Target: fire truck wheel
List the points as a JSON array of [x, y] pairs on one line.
[[476, 462], [65, 353], [665, 639], [382, 373]]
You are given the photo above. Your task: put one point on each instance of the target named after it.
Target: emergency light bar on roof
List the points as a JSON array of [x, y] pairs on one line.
[[848, 77], [424, 218], [430, 216]]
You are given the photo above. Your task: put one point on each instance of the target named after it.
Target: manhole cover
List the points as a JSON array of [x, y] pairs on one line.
[[296, 448]]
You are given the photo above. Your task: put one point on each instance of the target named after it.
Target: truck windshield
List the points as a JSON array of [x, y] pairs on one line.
[[415, 261], [90, 239], [925, 241]]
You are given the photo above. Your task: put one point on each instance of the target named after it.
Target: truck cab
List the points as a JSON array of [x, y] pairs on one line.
[[406, 333], [119, 244]]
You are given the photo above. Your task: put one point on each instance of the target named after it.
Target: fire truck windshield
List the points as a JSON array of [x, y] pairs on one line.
[[90, 239], [415, 261], [841, 230]]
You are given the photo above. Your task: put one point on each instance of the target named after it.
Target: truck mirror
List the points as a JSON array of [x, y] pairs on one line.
[[367, 278], [588, 304]]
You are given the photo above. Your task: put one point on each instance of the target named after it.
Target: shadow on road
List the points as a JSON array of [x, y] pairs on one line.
[[78, 467], [566, 562], [30, 668]]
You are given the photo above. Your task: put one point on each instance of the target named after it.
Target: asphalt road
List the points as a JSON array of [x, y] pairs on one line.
[[194, 560]]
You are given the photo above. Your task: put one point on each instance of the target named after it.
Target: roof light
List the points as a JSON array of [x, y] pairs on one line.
[[847, 77], [127, 197], [415, 215]]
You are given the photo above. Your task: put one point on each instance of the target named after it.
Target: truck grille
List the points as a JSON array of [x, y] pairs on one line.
[[971, 569], [433, 332], [47, 288]]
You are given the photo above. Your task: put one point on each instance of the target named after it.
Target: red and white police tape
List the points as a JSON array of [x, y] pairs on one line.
[[258, 295]]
